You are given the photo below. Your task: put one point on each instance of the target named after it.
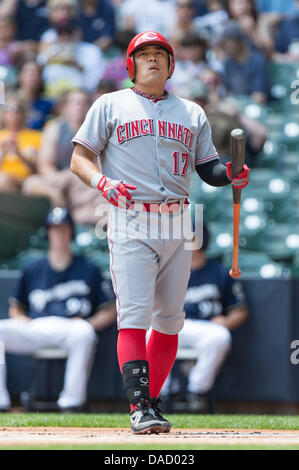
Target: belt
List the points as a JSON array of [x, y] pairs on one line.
[[160, 208]]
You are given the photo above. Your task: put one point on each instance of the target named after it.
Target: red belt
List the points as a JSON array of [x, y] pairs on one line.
[[161, 208]]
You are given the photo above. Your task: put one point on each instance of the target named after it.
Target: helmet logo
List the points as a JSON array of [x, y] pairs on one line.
[[150, 35]]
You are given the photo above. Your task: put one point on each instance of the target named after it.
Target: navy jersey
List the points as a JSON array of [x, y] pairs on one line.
[[211, 292], [101, 24], [77, 291]]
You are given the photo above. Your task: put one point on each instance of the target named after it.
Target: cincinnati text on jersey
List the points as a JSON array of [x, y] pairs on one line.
[[142, 127]]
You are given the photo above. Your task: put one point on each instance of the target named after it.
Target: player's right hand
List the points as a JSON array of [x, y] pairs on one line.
[[116, 191], [242, 179]]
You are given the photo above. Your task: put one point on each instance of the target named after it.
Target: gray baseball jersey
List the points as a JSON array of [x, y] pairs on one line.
[[154, 146]]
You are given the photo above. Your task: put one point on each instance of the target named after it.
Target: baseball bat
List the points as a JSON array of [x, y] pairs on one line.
[[238, 155]]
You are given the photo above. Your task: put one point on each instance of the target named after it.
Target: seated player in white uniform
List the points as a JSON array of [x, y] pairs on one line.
[[215, 305], [61, 300]]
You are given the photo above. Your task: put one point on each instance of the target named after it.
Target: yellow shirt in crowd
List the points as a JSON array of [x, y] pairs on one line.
[[29, 141]]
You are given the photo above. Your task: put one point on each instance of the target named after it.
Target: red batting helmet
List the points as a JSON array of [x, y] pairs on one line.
[[141, 39]]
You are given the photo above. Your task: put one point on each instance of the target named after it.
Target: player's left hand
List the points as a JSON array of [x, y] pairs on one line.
[[242, 179], [116, 192]]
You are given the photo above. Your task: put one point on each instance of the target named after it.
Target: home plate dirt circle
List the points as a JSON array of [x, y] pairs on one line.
[[75, 435]]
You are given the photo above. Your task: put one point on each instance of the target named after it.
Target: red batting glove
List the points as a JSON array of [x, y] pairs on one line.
[[242, 179], [116, 191]]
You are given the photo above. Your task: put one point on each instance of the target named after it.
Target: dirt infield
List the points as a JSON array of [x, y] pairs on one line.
[[75, 435]]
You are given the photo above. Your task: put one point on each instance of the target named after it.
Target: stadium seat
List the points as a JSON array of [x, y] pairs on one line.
[[251, 232], [290, 133], [210, 197], [20, 217], [101, 259], [86, 240], [255, 110], [282, 75], [289, 167], [29, 211], [45, 363], [13, 238], [270, 155], [221, 240], [276, 199], [280, 242], [257, 265]]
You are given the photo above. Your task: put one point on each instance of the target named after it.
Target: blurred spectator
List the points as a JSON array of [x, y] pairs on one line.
[[13, 51], [55, 180], [245, 71], [9, 50], [30, 89], [214, 81], [151, 15], [183, 26], [224, 115], [287, 37], [60, 12], [191, 60], [116, 66], [255, 27], [276, 6], [208, 24], [18, 146], [215, 305], [61, 301], [106, 86], [196, 91], [31, 18], [97, 22], [71, 64]]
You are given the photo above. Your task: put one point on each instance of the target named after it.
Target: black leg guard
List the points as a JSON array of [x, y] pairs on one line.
[[136, 381]]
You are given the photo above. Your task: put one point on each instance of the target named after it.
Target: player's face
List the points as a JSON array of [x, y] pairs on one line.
[[60, 236], [151, 65]]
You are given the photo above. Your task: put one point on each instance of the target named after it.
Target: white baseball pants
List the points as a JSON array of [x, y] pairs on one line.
[[212, 343], [150, 268], [76, 336]]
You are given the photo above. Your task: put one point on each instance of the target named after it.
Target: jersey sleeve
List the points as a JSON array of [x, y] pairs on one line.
[[233, 294], [205, 150], [102, 288], [93, 133], [21, 292]]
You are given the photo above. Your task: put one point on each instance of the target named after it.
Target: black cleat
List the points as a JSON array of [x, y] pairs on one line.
[[144, 420], [166, 425]]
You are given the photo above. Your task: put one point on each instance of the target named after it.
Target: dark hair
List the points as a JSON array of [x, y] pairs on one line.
[[39, 67], [66, 28], [107, 85], [252, 7], [123, 39], [194, 39]]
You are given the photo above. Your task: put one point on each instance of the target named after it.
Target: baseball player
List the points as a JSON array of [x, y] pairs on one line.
[[148, 142], [61, 300]]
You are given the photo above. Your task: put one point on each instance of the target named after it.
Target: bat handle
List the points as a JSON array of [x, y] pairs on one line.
[[235, 271]]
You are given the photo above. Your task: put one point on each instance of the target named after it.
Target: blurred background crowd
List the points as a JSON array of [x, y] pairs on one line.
[[237, 58]]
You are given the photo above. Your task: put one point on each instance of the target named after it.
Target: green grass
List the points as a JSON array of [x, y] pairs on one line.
[[119, 420], [155, 447]]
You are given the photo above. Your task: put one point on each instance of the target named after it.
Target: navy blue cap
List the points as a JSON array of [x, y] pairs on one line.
[[58, 216]]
